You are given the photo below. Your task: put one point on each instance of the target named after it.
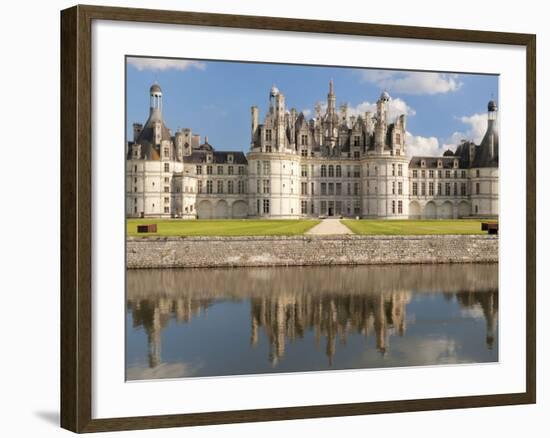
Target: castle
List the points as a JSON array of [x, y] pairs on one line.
[[334, 164]]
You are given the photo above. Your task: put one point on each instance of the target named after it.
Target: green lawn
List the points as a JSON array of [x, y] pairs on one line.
[[414, 227], [227, 227]]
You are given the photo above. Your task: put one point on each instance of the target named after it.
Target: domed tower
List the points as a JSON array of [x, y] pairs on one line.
[[484, 172], [155, 105]]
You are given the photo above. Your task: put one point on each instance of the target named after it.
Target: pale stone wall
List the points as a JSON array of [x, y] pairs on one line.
[[182, 252]]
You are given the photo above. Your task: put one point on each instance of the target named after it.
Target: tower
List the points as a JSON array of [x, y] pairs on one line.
[[155, 105]]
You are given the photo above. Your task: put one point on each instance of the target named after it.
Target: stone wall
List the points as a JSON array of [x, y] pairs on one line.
[[196, 252]]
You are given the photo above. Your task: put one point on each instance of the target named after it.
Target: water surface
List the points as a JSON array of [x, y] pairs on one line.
[[215, 322]]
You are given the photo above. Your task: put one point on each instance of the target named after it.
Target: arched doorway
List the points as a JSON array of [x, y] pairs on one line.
[[239, 210], [204, 210], [222, 210], [430, 210], [445, 211]]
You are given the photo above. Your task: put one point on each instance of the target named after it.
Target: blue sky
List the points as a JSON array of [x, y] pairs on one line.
[[213, 98]]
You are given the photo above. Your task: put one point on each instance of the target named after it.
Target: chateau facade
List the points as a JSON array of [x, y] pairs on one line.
[[334, 164]]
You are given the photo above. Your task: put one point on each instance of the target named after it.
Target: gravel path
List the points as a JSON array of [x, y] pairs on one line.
[[330, 226]]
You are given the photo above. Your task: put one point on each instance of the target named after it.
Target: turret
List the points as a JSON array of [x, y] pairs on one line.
[[155, 106], [254, 126]]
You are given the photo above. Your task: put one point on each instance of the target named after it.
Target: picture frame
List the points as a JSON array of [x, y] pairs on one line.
[[77, 235]]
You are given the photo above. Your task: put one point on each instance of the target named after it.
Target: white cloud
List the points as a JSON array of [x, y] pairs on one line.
[[306, 112], [396, 108], [476, 127], [413, 82], [423, 146], [161, 64]]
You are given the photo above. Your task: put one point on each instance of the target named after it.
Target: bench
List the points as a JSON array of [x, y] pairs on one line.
[[147, 228], [490, 227]]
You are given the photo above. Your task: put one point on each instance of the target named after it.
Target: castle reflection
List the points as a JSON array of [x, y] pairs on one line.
[[288, 303]]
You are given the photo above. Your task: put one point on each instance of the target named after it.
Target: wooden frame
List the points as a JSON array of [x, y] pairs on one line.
[[76, 243]]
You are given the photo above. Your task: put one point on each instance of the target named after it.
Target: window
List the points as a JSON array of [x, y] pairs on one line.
[[439, 174], [241, 170], [399, 170], [303, 140], [423, 174], [268, 134], [304, 152], [167, 209], [304, 188], [323, 207], [423, 188], [323, 171], [447, 189], [398, 138], [323, 188], [230, 170], [219, 187], [463, 189], [167, 200], [331, 171], [393, 207], [431, 173], [135, 168], [357, 171], [355, 188], [166, 189], [199, 186], [399, 188], [431, 189], [415, 189], [304, 170], [447, 174], [267, 167], [266, 186], [209, 170], [166, 152], [166, 180], [393, 169], [455, 189], [312, 188], [199, 170], [438, 189], [135, 189], [338, 188], [258, 167], [331, 188], [338, 171], [356, 154], [266, 206], [393, 187], [357, 140], [208, 186], [455, 174], [167, 167], [477, 189], [400, 207], [463, 174], [304, 207], [356, 207], [230, 187], [415, 173], [240, 187], [477, 175]]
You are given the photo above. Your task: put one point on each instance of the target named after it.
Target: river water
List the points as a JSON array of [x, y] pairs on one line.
[[218, 322]]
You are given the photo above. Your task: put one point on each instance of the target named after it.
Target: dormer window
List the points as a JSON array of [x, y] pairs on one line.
[[455, 164], [209, 158], [439, 164], [423, 163], [230, 158]]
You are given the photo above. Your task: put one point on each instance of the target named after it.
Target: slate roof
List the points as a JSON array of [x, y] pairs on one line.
[[218, 157]]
